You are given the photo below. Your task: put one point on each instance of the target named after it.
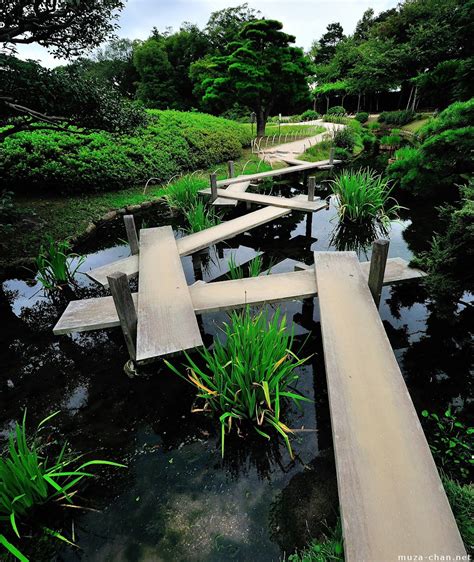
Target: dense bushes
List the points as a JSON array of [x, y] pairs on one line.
[[336, 110], [397, 117], [457, 115], [309, 115], [443, 159], [345, 138], [172, 142], [362, 116]]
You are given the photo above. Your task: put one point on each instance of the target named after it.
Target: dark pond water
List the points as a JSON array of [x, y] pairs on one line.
[[178, 500]]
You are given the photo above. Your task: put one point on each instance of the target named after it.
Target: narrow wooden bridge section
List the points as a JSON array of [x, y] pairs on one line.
[[391, 497]]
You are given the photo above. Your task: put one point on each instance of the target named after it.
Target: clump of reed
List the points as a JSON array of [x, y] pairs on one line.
[[363, 195], [254, 268], [56, 264], [30, 478], [247, 378], [199, 217], [183, 193]]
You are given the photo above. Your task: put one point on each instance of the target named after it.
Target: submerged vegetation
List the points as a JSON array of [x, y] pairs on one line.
[[32, 475], [247, 378], [57, 265], [363, 195]]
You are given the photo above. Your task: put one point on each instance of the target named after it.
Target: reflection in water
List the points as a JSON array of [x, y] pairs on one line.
[[179, 500], [357, 237]]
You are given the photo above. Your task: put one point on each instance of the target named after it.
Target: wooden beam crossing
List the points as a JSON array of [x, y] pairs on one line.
[[197, 241], [239, 188], [166, 319], [392, 500], [271, 173], [100, 313], [288, 203]]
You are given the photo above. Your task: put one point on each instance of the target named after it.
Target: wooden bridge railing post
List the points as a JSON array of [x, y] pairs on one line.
[[378, 262], [131, 233], [230, 169], [126, 312], [213, 179], [311, 188]]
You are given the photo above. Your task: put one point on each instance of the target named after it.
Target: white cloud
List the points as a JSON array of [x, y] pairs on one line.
[[305, 19]]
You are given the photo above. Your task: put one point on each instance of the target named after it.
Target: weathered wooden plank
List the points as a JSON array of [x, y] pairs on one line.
[[99, 313], [239, 187], [323, 164], [272, 200], [391, 497], [166, 319], [197, 241], [270, 173]]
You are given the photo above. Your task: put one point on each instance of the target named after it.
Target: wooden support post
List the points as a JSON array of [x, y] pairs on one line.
[[331, 155], [213, 179], [230, 169], [131, 233], [311, 188], [126, 312], [378, 262]]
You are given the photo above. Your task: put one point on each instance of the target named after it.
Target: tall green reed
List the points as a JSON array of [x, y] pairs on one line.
[[247, 378], [56, 264]]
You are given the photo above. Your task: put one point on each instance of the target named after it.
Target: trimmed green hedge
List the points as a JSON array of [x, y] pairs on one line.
[[171, 143]]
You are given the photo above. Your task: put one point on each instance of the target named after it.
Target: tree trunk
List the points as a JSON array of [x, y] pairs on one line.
[[409, 98], [343, 98], [415, 100], [261, 122], [358, 102], [327, 104], [314, 103]]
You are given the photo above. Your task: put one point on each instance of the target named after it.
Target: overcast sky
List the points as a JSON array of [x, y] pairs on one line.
[[306, 19]]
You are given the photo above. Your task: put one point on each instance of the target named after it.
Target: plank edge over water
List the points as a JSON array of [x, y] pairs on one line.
[[392, 500], [166, 319]]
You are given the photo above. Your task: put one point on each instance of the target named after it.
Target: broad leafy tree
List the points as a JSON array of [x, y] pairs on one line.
[[263, 72], [66, 27], [224, 26]]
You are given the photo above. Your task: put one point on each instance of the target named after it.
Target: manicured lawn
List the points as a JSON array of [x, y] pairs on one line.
[[414, 126]]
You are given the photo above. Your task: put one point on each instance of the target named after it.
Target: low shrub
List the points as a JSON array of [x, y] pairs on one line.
[[397, 117], [369, 141], [342, 154], [247, 378], [437, 166], [374, 126], [309, 115], [391, 140], [451, 444], [336, 110], [457, 115], [364, 196], [340, 119], [172, 142], [362, 116], [345, 138]]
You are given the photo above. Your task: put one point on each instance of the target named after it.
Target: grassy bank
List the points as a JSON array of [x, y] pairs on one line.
[[37, 217]]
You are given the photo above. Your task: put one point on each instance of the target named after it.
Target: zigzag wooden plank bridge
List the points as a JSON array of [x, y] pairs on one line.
[[392, 500], [166, 320], [237, 187]]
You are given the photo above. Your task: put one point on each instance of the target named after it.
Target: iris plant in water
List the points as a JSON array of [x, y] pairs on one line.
[[364, 196], [247, 378], [29, 477], [56, 265]]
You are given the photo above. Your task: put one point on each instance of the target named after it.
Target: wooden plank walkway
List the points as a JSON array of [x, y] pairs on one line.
[[391, 497], [100, 313], [322, 164], [239, 188], [166, 319], [194, 242], [270, 174], [293, 203]]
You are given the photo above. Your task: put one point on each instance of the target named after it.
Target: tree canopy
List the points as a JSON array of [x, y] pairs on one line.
[[262, 71]]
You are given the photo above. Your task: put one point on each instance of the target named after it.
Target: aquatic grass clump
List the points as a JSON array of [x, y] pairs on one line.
[[56, 264], [200, 217], [183, 193], [29, 478], [246, 378], [254, 268], [363, 195]]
